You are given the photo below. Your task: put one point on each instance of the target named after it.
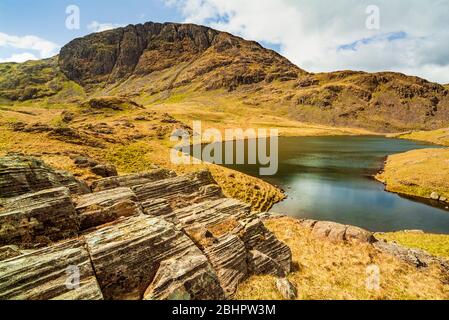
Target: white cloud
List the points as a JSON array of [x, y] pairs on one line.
[[43, 48], [312, 33], [19, 57], [96, 26]]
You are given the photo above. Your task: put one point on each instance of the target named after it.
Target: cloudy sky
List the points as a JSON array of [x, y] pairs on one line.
[[409, 36]]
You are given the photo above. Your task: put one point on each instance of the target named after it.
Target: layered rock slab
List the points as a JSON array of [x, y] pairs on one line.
[[99, 208], [20, 175], [229, 257], [236, 241], [181, 191], [185, 277], [128, 255], [38, 218], [131, 180], [50, 274]]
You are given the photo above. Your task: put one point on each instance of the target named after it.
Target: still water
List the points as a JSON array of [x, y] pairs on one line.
[[330, 178]]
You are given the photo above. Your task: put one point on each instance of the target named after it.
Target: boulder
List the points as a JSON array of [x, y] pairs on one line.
[[435, 196], [127, 254], [104, 170], [229, 259], [99, 208], [359, 234], [20, 175], [337, 232], [181, 191], [185, 277], [50, 274], [332, 231], [38, 218], [286, 289]]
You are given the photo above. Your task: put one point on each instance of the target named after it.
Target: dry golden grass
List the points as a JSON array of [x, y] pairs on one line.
[[129, 156], [440, 136], [333, 271], [418, 173]]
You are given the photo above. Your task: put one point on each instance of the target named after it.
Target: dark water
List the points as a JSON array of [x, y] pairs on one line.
[[330, 178]]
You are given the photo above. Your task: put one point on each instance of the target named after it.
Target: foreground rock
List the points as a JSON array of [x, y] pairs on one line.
[[38, 218], [47, 275], [144, 236], [185, 277], [180, 191], [338, 232], [236, 242], [99, 208], [131, 180], [20, 175], [286, 289], [127, 256]]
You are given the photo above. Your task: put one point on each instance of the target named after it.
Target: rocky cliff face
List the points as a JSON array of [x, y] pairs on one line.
[[191, 52], [146, 236]]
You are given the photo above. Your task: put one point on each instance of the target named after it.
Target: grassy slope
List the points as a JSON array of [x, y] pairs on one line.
[[418, 173], [338, 271]]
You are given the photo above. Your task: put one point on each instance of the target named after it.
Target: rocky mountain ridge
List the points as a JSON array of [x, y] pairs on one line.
[[157, 61]]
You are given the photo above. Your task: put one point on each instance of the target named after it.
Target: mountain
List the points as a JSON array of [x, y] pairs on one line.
[[154, 62]]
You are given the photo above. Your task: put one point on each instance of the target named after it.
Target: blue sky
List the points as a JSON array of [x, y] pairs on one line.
[[46, 18], [412, 35]]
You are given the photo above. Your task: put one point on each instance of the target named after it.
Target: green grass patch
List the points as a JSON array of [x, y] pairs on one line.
[[435, 244], [131, 158]]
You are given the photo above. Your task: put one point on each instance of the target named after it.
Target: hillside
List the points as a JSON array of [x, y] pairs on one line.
[[174, 63]]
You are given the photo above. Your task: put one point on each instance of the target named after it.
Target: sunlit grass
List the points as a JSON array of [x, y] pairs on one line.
[[435, 244]]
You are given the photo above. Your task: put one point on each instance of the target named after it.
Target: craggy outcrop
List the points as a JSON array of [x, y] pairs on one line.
[[228, 233], [338, 232], [38, 218], [180, 191], [148, 236], [127, 255], [20, 175], [50, 274], [131, 180], [99, 208], [194, 52]]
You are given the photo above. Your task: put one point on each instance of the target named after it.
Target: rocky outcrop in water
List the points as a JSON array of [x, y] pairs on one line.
[[144, 236]]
